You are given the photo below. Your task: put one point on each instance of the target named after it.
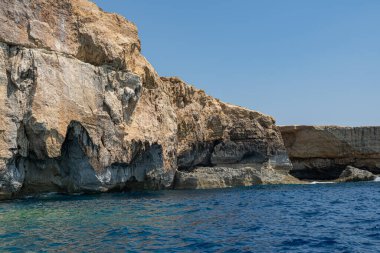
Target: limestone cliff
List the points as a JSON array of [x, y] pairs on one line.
[[215, 138], [323, 152], [82, 110]]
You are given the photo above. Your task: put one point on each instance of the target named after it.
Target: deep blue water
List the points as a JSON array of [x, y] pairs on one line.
[[286, 218]]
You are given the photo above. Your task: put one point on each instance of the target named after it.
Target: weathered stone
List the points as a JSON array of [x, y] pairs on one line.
[[216, 177], [233, 176], [81, 110], [352, 174], [323, 152], [214, 137], [212, 133], [74, 27]]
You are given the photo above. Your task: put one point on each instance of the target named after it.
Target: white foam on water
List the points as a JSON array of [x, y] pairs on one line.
[[377, 179], [322, 182]]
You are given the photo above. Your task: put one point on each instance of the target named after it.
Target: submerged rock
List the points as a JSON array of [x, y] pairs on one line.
[[352, 174], [82, 110]]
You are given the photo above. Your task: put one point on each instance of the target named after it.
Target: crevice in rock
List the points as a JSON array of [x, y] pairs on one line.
[[71, 172], [74, 170], [214, 153], [198, 155], [319, 168], [77, 134], [12, 178], [253, 157], [327, 173], [142, 172], [11, 87]]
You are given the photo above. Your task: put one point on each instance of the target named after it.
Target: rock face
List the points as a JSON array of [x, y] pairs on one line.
[[324, 152], [218, 137], [352, 174], [232, 176], [82, 110]]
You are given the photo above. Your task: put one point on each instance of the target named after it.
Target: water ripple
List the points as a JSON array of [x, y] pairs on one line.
[[298, 218]]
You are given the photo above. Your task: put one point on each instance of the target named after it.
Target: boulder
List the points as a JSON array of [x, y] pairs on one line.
[[352, 174]]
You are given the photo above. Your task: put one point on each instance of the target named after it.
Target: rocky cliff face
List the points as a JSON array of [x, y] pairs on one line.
[[324, 152], [215, 138], [82, 110]]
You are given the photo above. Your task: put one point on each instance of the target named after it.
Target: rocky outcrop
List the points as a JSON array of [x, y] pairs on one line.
[[352, 174], [81, 110], [215, 137], [232, 176], [323, 152]]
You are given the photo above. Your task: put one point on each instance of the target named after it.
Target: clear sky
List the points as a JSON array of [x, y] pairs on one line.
[[303, 62]]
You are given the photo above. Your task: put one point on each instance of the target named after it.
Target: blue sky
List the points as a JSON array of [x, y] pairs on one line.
[[304, 62]]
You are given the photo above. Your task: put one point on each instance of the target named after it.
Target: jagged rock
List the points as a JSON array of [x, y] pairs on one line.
[[213, 133], [74, 27], [323, 152], [82, 110], [352, 174], [214, 137]]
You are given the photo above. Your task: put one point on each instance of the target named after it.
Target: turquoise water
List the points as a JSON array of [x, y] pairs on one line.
[[298, 218]]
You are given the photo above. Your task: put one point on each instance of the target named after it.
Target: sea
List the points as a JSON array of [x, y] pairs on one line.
[[275, 218]]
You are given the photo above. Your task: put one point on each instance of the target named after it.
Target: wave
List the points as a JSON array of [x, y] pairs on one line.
[[323, 182]]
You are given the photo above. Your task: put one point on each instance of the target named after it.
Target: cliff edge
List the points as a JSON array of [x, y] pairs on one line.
[[81, 110]]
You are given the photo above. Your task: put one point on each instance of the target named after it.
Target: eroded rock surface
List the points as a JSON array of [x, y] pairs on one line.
[[323, 152], [81, 110], [215, 137], [232, 176], [352, 174]]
